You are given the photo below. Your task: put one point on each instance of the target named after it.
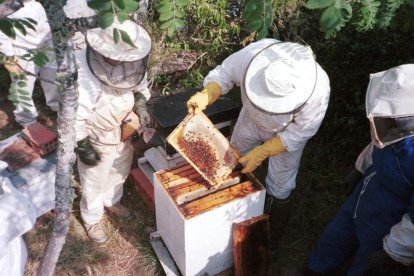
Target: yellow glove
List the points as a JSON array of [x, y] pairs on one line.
[[200, 100], [255, 157], [10, 63]]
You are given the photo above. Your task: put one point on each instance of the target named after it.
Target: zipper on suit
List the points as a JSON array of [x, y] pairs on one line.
[[364, 187]]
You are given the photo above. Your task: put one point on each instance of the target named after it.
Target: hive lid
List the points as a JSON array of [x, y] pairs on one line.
[[205, 148], [169, 111]]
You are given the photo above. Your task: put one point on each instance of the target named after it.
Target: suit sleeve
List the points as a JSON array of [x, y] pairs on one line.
[[399, 243]]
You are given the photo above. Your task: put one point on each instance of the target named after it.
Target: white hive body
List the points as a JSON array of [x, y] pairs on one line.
[[197, 231]]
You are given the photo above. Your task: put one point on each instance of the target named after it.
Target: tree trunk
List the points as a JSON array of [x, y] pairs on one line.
[[66, 75]]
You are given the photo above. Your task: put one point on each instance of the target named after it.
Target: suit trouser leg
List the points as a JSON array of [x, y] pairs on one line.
[[102, 185]]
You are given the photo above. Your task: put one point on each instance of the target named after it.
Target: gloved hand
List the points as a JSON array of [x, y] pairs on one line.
[[380, 263], [10, 63], [255, 157], [200, 100], [351, 180], [86, 153], [140, 108]]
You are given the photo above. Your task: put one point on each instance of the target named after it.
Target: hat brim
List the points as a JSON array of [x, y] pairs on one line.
[[142, 45], [389, 93], [256, 90]]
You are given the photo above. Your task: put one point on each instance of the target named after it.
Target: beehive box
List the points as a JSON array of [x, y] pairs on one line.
[[195, 222]]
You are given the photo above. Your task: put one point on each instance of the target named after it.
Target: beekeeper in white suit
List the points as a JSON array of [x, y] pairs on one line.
[[17, 216], [285, 95], [112, 82], [14, 49]]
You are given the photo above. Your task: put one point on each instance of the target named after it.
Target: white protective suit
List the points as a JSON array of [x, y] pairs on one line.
[[41, 38], [100, 112], [254, 127], [17, 216]]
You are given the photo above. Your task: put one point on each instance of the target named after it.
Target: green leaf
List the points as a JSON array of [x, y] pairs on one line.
[[255, 25], [125, 38], [262, 34], [179, 13], [14, 76], [254, 5], [12, 90], [28, 24], [254, 9], [13, 98], [165, 8], [268, 20], [330, 34], [40, 59], [97, 4], [106, 20], [319, 4], [182, 3], [130, 6], [368, 15], [23, 92], [7, 28], [339, 4], [171, 30], [330, 18], [179, 23], [167, 24], [346, 12], [21, 84], [22, 76], [25, 98], [116, 35], [19, 26], [106, 7], [122, 16], [25, 103], [161, 2], [31, 20], [166, 16], [120, 4]]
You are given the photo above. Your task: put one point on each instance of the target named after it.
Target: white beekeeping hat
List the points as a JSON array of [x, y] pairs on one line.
[[102, 41], [281, 78]]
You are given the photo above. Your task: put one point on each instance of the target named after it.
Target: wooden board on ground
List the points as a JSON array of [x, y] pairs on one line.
[[251, 246], [167, 262]]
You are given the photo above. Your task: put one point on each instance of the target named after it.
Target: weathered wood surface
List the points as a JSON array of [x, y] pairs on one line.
[[250, 241]]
